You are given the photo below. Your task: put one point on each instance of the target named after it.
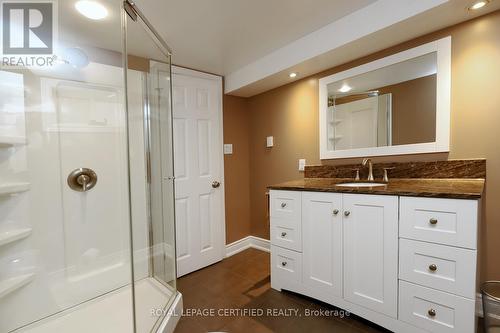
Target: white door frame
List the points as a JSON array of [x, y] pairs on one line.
[[219, 80]]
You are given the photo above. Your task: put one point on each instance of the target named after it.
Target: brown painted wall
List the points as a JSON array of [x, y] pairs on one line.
[[290, 113], [236, 168], [413, 110]]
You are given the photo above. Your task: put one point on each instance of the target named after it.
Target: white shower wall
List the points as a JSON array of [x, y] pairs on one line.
[[79, 245]]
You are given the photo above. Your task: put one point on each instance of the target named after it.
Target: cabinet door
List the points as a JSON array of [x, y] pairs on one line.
[[370, 225], [322, 243]]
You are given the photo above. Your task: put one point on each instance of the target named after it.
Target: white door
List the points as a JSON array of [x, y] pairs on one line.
[[322, 242], [356, 124], [371, 251], [198, 164]]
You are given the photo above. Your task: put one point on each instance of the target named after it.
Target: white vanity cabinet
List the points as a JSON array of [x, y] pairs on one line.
[[405, 263], [322, 242], [371, 251]]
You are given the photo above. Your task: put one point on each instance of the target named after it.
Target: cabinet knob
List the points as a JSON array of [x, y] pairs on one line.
[[433, 267], [283, 263], [347, 213], [335, 211], [433, 221], [283, 204], [283, 234], [432, 312]]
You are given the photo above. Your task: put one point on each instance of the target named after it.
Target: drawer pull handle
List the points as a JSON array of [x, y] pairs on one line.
[[283, 234], [433, 267], [432, 312], [347, 213], [283, 263], [433, 221], [335, 211], [283, 204]]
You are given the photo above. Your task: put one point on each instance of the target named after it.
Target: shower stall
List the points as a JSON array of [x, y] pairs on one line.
[[86, 181]]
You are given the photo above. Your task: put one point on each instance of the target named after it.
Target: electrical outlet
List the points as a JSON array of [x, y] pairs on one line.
[[302, 164], [269, 141], [228, 149]]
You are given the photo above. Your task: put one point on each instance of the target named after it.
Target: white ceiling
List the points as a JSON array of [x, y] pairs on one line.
[[399, 72], [221, 36], [255, 44]]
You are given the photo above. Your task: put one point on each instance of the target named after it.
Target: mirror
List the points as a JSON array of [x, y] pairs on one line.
[[395, 105]]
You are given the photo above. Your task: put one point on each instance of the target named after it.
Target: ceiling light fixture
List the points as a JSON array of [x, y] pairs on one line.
[[479, 4], [292, 75], [91, 9], [345, 88]]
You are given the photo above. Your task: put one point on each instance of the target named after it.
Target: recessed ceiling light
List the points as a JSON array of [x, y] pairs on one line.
[[292, 75], [91, 9], [345, 88], [478, 4]]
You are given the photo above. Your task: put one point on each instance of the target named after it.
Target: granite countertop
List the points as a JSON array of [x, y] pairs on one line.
[[435, 188]]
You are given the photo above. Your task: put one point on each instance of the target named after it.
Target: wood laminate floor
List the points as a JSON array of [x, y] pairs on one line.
[[235, 296]]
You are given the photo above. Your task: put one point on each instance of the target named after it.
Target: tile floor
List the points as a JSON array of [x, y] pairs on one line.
[[242, 282]]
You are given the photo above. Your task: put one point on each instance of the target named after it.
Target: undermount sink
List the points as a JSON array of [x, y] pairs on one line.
[[360, 184]]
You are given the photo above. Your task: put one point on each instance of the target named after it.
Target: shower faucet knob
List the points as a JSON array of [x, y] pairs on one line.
[[82, 179]]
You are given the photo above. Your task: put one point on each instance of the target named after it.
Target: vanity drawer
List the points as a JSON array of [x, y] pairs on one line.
[[286, 204], [445, 221], [286, 233], [286, 265], [435, 311], [442, 267]]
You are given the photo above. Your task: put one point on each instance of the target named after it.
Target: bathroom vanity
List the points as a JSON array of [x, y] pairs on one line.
[[402, 255]]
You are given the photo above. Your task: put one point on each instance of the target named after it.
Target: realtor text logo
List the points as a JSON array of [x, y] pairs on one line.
[[27, 29]]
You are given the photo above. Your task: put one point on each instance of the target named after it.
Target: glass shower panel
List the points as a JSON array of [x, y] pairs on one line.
[[64, 181], [149, 105]]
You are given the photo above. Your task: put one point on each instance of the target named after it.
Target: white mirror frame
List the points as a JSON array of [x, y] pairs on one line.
[[443, 101]]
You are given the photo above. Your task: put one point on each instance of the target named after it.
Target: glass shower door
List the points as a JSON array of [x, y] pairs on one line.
[[149, 111]]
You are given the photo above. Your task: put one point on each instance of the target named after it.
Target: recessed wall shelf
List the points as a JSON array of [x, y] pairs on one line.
[[13, 235], [10, 141], [13, 188], [9, 285]]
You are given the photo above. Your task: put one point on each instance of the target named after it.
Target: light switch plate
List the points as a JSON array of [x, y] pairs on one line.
[[228, 149], [302, 164], [269, 141]]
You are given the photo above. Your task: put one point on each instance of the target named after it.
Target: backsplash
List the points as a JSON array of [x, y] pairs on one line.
[[438, 169]]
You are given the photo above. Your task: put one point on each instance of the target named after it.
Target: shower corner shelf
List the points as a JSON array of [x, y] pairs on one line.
[[13, 188], [10, 236], [9, 285], [11, 141]]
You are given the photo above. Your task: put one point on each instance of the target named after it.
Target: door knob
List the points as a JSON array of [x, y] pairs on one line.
[[82, 179], [215, 184]]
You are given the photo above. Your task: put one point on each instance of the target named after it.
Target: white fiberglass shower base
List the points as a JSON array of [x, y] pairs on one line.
[[114, 311]]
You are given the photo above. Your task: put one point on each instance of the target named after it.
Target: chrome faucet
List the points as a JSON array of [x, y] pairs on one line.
[[370, 167]]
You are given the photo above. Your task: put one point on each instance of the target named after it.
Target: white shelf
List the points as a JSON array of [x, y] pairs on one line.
[[12, 188], [10, 236], [9, 285], [10, 141]]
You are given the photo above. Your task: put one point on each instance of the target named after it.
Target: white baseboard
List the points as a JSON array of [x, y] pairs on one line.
[[247, 243]]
